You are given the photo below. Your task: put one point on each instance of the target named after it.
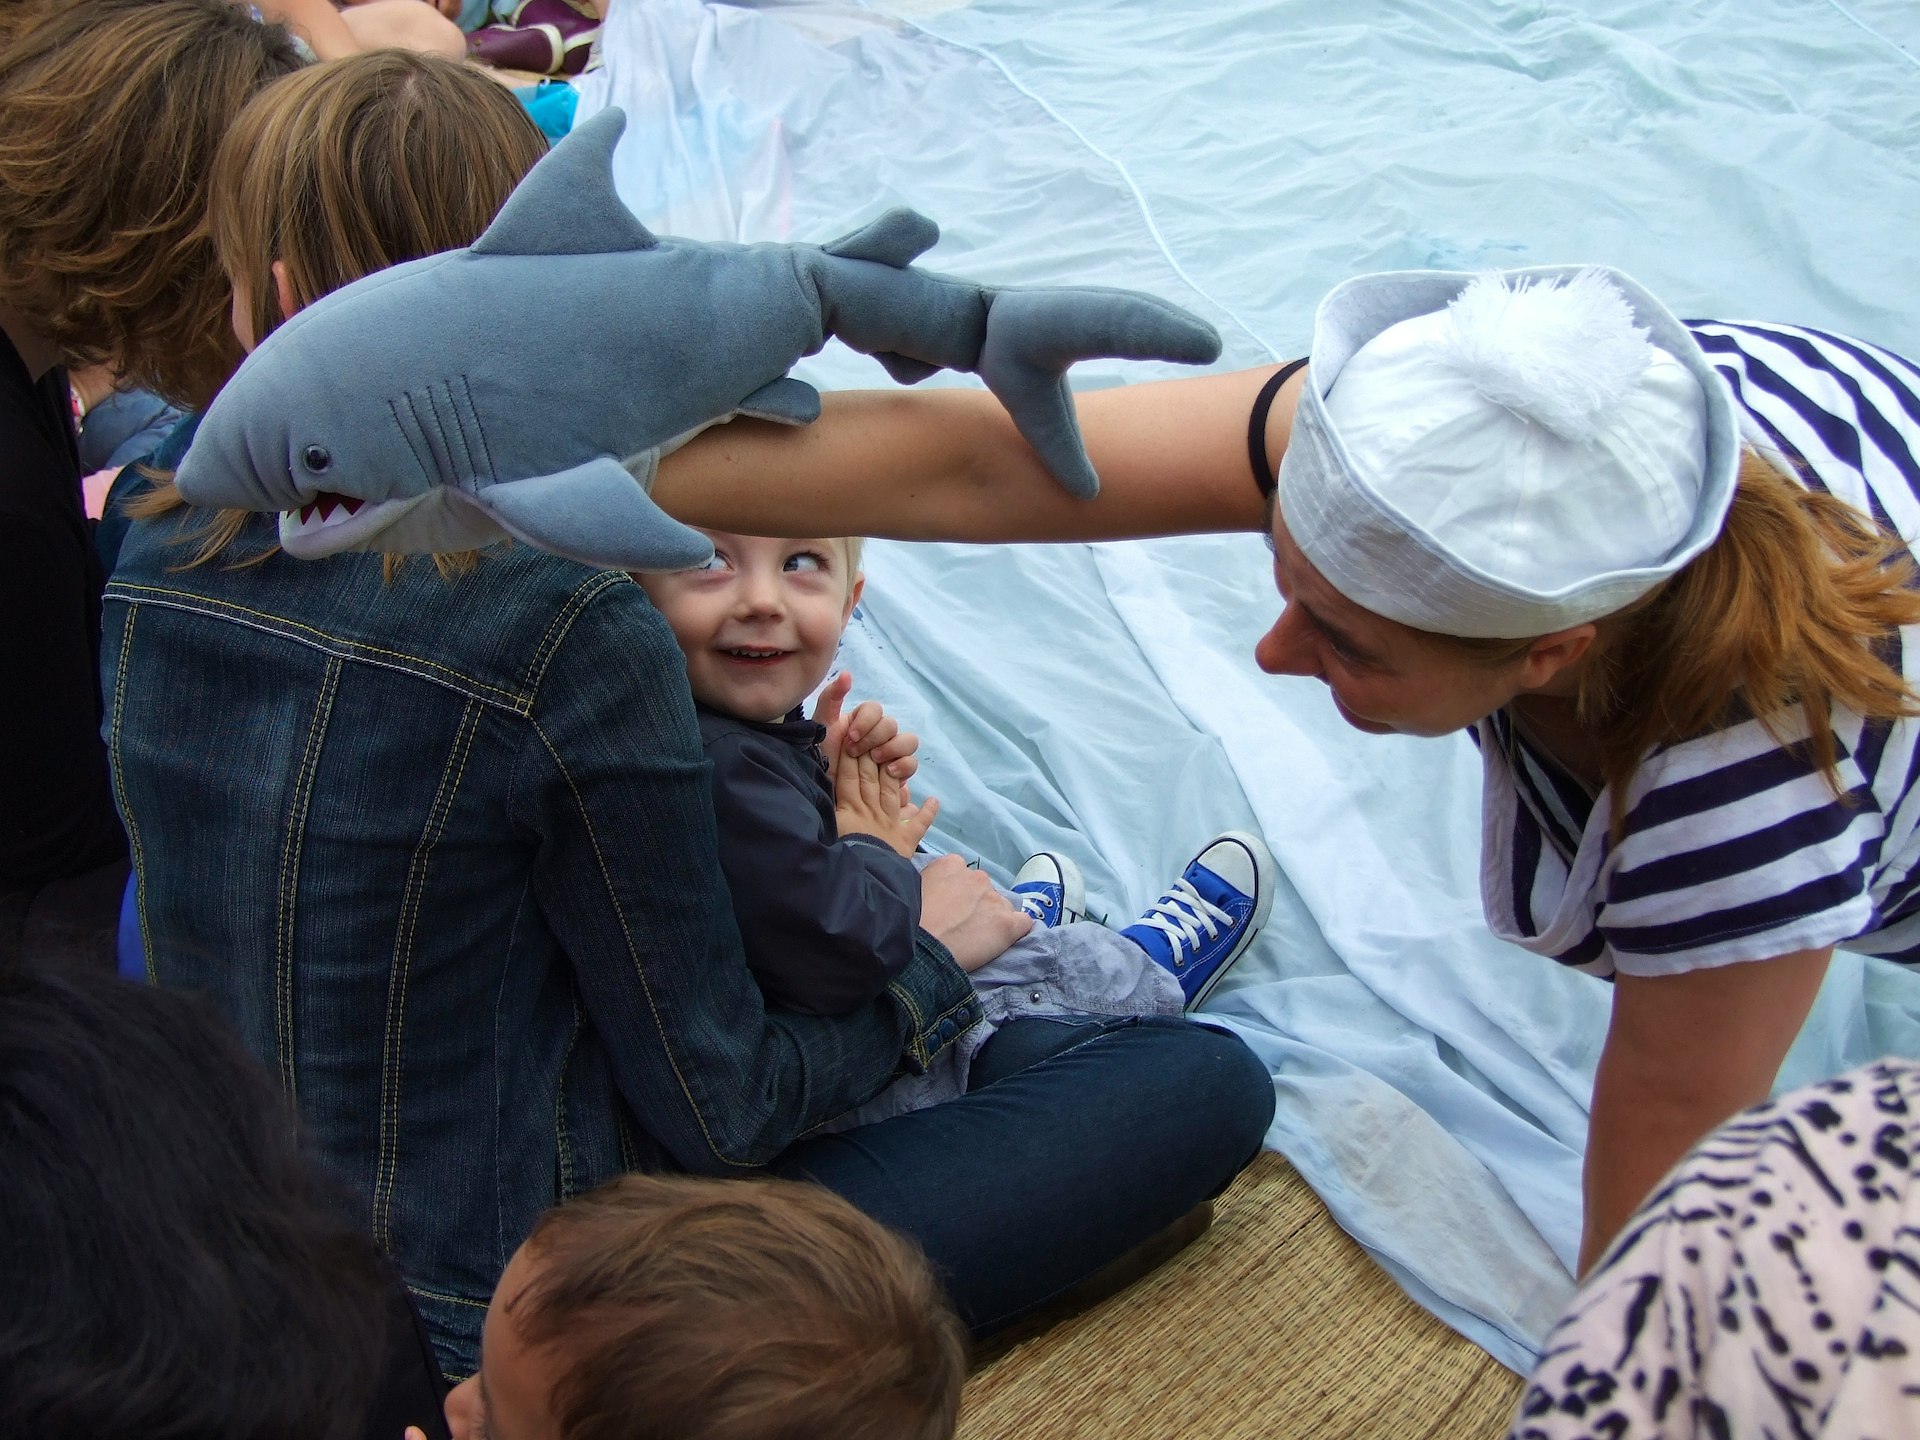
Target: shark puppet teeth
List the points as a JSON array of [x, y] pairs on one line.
[[329, 523], [320, 509]]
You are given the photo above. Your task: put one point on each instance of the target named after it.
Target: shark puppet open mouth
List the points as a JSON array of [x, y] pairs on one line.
[[329, 523], [446, 518]]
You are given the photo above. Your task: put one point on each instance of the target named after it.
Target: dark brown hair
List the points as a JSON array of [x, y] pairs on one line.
[[112, 112], [696, 1309], [175, 1263]]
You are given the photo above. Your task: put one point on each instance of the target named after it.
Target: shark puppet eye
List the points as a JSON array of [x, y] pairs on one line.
[[316, 459]]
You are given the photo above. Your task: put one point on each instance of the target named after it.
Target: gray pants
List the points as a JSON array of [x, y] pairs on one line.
[[1076, 969]]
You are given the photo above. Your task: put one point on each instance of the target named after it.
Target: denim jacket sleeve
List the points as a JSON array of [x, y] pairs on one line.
[[612, 784]]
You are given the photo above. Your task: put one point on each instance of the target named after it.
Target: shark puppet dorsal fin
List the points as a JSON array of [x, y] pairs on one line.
[[567, 205]]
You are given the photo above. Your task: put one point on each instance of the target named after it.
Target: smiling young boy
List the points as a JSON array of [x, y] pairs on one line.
[[818, 841]]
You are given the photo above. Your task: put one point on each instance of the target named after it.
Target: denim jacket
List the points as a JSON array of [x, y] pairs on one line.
[[444, 852]]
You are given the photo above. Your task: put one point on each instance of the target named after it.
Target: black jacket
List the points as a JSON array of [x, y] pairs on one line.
[[56, 804], [828, 922]]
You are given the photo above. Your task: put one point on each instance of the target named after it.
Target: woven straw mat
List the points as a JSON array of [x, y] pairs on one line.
[[1273, 1324]]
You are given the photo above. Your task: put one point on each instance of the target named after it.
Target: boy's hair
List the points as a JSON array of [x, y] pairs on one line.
[[696, 1309], [854, 546], [360, 164], [112, 111], [174, 1265]]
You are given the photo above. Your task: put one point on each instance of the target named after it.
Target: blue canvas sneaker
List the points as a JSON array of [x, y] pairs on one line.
[[1049, 888], [1207, 920]]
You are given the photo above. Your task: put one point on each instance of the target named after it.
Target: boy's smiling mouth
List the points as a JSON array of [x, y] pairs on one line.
[[753, 654]]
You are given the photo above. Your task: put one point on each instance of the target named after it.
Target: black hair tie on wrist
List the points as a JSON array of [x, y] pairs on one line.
[[1263, 476]]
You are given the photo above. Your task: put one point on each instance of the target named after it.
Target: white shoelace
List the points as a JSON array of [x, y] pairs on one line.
[[1185, 917], [1036, 905]]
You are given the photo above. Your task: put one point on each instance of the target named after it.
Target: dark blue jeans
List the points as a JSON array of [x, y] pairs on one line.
[[1076, 1142]]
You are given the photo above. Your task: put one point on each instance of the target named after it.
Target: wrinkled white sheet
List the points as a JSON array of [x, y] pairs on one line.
[[1753, 160]]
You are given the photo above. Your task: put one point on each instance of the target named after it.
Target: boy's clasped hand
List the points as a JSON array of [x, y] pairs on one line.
[[871, 759]]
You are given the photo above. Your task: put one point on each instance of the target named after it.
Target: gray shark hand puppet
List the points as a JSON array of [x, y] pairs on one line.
[[528, 386]]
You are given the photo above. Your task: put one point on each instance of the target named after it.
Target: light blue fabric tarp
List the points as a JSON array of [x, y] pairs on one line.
[[1752, 160]]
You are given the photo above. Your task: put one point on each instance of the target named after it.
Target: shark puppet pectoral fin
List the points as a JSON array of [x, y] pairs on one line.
[[786, 401], [1033, 336], [595, 513], [567, 205]]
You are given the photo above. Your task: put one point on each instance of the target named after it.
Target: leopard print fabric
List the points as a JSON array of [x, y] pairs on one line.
[[1769, 1288]]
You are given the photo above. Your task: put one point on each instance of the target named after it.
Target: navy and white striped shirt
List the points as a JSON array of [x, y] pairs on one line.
[[1735, 847]]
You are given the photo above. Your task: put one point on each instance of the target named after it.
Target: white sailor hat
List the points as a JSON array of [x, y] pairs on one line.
[[1505, 455]]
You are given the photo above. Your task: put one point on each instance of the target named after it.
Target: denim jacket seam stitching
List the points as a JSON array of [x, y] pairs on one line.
[[906, 998], [287, 892], [445, 1298], [391, 1062], [120, 790], [640, 969], [562, 625], [921, 1054], [562, 1143], [629, 1159], [503, 1251], [355, 650]]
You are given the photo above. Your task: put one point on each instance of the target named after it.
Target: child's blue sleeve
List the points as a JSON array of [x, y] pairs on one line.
[[827, 923]]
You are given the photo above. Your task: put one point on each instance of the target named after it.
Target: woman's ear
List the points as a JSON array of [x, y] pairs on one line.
[[283, 290], [1555, 654]]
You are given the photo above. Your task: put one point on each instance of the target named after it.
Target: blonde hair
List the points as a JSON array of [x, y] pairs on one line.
[[113, 111], [1789, 607], [346, 169], [361, 164]]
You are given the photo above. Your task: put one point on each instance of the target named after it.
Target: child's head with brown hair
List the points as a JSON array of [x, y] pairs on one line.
[[683, 1308], [357, 165], [112, 112], [338, 172]]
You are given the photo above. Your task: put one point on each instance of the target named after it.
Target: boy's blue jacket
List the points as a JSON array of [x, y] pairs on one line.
[[828, 922]]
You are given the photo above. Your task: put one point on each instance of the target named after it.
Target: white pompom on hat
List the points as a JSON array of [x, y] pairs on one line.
[[1505, 455]]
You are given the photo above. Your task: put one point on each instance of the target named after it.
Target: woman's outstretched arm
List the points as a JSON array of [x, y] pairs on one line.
[[1683, 1053], [949, 465]]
